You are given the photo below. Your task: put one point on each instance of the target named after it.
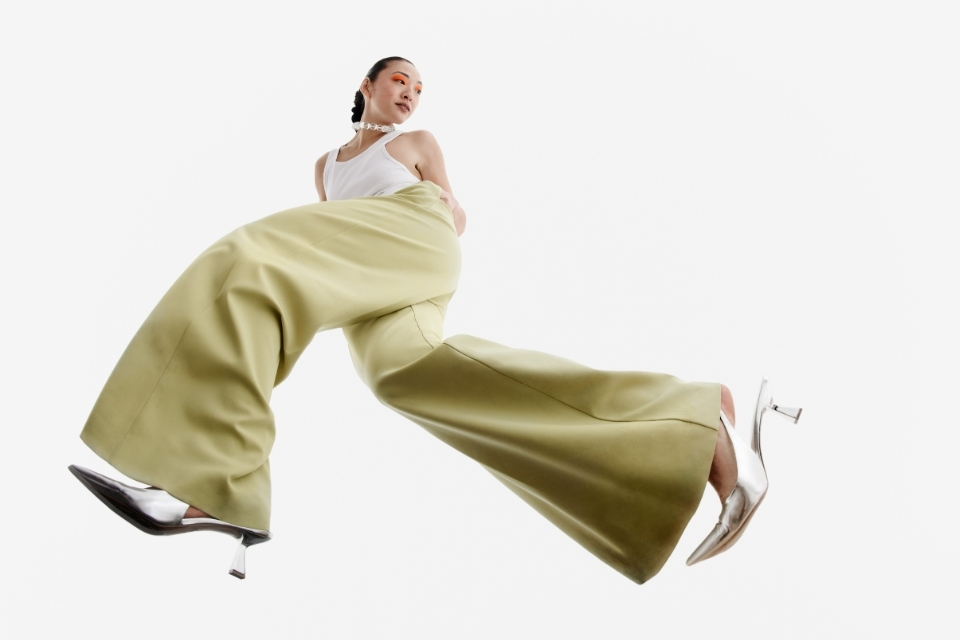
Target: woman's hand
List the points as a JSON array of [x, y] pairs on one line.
[[459, 216]]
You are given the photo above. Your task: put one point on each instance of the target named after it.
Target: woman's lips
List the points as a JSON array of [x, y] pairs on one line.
[[403, 107]]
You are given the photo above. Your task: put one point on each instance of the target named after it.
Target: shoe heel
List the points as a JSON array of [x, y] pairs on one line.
[[239, 567], [248, 538], [791, 412], [765, 403]]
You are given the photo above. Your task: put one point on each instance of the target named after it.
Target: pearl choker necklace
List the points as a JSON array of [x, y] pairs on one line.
[[386, 128]]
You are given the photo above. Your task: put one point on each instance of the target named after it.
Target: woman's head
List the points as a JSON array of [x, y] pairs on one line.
[[389, 93]]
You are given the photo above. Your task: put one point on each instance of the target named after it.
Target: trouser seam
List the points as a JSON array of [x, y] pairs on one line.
[[334, 235], [578, 410], [420, 328], [170, 359]]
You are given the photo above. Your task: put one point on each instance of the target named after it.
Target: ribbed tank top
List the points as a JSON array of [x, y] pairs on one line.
[[372, 173]]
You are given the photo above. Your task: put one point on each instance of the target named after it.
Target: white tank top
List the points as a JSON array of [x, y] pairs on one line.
[[372, 173]]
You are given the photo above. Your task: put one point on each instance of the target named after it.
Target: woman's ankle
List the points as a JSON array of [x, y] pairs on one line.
[[723, 471]]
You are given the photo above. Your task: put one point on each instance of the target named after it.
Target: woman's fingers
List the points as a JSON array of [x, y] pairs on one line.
[[448, 198]]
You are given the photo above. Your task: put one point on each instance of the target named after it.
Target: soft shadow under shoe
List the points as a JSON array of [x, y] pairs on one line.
[[156, 512]]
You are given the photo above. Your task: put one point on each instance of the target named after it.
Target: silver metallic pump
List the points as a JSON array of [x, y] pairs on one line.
[[751, 487], [156, 512]]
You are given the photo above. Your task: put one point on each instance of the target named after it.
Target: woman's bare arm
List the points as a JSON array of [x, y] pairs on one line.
[[318, 176], [431, 167]]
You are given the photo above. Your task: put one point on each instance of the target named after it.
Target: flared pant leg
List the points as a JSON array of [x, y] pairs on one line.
[[617, 460], [187, 406]]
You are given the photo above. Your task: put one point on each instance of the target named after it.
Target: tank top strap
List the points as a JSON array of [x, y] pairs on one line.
[[387, 137], [390, 136]]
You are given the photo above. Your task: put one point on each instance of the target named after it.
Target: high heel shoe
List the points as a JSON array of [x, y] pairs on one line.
[[751, 487], [156, 512]]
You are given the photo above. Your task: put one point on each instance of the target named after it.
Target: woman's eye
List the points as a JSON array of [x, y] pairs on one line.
[[399, 79]]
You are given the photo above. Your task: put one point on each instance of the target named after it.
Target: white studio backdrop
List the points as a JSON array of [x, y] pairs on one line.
[[715, 190]]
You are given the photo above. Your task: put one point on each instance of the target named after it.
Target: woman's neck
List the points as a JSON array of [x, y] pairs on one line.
[[366, 136], [363, 140]]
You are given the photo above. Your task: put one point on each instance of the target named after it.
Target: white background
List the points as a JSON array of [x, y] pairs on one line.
[[716, 190]]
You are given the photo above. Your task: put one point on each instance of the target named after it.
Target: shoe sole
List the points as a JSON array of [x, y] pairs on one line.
[[135, 519], [154, 528]]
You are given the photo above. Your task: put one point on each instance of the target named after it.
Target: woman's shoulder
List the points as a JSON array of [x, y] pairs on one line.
[[321, 163], [419, 137], [420, 145], [318, 176]]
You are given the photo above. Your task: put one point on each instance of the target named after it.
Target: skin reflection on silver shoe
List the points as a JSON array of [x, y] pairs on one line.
[[752, 484], [156, 512]]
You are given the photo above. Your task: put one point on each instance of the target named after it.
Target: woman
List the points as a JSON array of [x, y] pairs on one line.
[[617, 460]]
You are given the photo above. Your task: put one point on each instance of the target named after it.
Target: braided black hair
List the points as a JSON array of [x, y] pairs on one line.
[[358, 102]]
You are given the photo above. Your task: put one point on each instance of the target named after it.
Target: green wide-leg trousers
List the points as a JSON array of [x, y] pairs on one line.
[[617, 460]]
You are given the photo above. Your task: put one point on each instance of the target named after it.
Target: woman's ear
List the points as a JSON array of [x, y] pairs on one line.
[[365, 88]]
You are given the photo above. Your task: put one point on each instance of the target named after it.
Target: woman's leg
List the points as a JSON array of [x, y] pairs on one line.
[[723, 469], [617, 460], [187, 406]]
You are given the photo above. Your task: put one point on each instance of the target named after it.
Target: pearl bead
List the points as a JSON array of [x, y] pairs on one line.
[[386, 128]]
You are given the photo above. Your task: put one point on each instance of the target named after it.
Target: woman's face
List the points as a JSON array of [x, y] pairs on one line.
[[394, 96]]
